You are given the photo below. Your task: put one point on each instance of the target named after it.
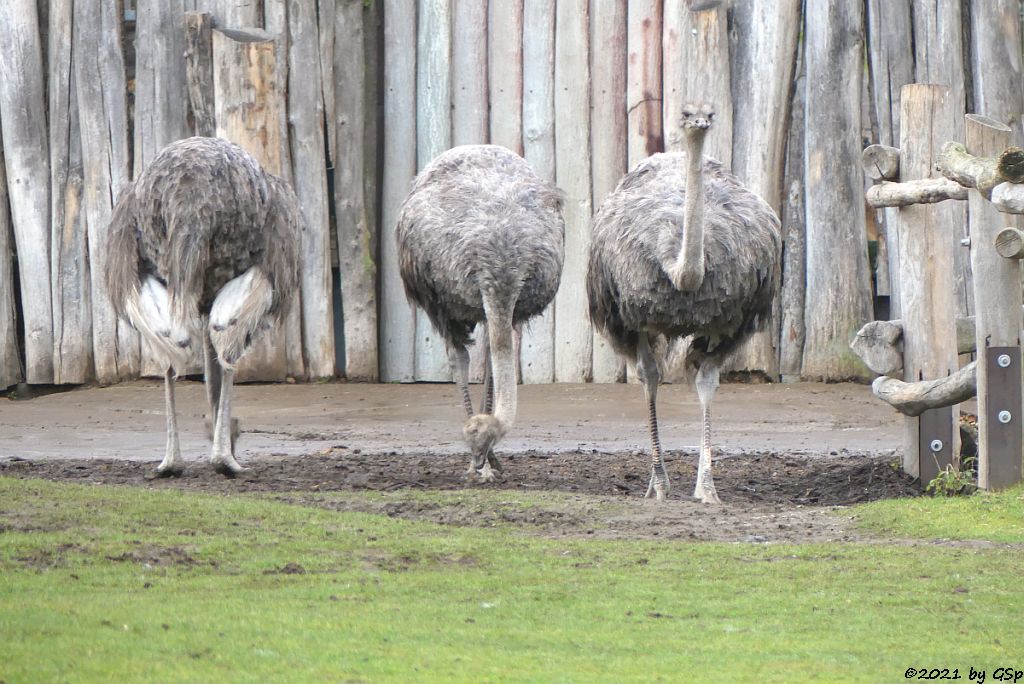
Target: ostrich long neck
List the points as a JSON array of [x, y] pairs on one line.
[[503, 365], [687, 273]]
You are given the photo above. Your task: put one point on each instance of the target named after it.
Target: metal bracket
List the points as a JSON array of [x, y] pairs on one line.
[[1002, 419], [935, 442]]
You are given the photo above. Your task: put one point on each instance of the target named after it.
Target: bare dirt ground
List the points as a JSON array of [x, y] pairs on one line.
[[787, 456]]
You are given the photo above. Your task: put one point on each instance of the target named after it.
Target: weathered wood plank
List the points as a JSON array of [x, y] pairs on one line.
[[69, 263], [10, 361], [433, 136], [881, 162], [696, 69], [356, 235], [838, 288], [537, 354], [327, 13], [248, 78], [609, 153], [763, 60], [309, 174], [199, 70], [926, 252], [106, 161], [23, 119], [505, 73], [644, 77], [573, 332], [997, 303], [397, 316], [794, 245]]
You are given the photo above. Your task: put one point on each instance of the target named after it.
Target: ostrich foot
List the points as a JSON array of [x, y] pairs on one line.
[[486, 473], [659, 484], [169, 470], [706, 493], [226, 465]]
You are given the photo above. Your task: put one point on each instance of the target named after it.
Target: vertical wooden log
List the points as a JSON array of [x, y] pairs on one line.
[[763, 59], [505, 73], [106, 161], [23, 119], [69, 263], [247, 82], [398, 320], [891, 66], [275, 17], [433, 136], [199, 71], [926, 252], [838, 288], [327, 13], [644, 78], [309, 173], [573, 332], [609, 153], [356, 236], [938, 58], [469, 72], [997, 319], [10, 362], [995, 63], [696, 58], [794, 244], [537, 354], [235, 14]]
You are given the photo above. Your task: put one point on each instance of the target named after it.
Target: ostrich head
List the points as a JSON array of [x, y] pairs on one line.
[[697, 120], [482, 432]]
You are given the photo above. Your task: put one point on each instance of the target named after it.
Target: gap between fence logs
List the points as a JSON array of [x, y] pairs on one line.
[[917, 355]]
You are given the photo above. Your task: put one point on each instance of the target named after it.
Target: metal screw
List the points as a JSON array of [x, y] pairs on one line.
[[966, 242], [1005, 417], [1003, 360], [936, 445]]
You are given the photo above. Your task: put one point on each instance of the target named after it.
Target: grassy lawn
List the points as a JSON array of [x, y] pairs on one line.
[[104, 584]]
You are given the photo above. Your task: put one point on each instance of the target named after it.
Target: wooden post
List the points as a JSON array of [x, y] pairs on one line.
[[433, 136], [199, 70], [505, 73], [357, 238], [69, 262], [574, 340], [398, 321], [106, 162], [764, 57], [644, 84], [23, 118], [926, 263], [10, 362], [609, 147], [995, 63], [794, 239], [838, 287], [997, 305], [309, 177], [247, 81], [537, 353], [695, 58]]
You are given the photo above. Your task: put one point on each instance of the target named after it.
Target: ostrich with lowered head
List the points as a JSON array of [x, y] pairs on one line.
[[203, 250], [682, 249], [480, 240]]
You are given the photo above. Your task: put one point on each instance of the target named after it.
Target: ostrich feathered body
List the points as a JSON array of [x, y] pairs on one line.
[[639, 228], [478, 222]]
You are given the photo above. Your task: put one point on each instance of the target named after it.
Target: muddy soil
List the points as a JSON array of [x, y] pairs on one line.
[[788, 457]]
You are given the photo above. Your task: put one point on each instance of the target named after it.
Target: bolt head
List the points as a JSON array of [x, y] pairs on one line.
[[1003, 360], [936, 445], [1005, 417]]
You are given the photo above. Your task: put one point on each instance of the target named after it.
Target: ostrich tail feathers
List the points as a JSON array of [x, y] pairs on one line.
[[150, 310], [240, 315]]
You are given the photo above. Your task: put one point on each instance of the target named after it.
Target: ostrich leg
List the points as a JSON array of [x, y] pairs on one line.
[[223, 458], [706, 383], [212, 381], [648, 373], [172, 465], [487, 402]]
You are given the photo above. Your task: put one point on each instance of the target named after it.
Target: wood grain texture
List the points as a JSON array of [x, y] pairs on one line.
[[794, 237], [199, 70], [644, 77], [573, 332], [69, 272], [309, 172], [838, 291], [537, 353], [106, 164], [398, 325], [996, 63], [433, 136], [609, 138], [505, 73], [357, 238], [328, 12], [23, 119], [10, 360]]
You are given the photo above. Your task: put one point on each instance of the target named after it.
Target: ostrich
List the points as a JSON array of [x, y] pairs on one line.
[[480, 239], [203, 250], [682, 249]]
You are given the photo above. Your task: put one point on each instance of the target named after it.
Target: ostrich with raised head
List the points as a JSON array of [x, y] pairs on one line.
[[480, 240], [203, 252], [682, 249]]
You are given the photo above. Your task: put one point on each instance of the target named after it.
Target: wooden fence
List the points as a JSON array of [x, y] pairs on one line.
[[365, 94]]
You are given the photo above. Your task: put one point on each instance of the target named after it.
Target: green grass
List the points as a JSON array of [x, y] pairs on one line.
[[101, 584]]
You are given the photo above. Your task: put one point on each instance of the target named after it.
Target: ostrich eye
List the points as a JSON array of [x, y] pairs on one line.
[[711, 116], [687, 114]]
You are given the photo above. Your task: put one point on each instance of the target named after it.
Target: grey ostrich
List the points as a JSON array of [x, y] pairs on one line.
[[202, 250], [682, 249], [480, 239]]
